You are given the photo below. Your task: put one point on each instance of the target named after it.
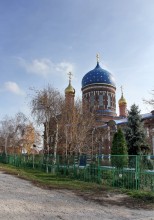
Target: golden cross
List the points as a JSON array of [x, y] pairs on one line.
[[70, 75], [121, 89], [97, 56]]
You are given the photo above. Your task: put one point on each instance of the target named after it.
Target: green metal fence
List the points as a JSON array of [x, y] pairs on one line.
[[131, 172]]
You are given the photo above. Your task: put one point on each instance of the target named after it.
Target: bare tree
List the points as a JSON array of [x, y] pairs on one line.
[[150, 101], [6, 132], [77, 129], [46, 107], [30, 138], [12, 130]]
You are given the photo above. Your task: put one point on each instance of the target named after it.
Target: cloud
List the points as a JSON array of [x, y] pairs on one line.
[[64, 67], [45, 67], [13, 88]]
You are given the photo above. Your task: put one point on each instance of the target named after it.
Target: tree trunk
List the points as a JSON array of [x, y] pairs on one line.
[[47, 142], [55, 148], [5, 149]]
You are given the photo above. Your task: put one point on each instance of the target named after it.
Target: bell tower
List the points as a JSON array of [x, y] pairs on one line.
[[69, 94], [122, 105]]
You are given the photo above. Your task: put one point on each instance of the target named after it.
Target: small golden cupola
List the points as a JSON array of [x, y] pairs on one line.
[[122, 105], [69, 93], [122, 100], [70, 88]]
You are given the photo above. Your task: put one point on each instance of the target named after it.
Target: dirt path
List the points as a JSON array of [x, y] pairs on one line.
[[20, 200]]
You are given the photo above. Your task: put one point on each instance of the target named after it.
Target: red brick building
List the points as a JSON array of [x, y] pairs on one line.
[[99, 96]]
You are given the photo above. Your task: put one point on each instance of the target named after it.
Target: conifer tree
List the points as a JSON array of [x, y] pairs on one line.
[[135, 133], [119, 148]]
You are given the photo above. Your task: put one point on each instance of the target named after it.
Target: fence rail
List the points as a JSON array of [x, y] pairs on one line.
[[131, 172]]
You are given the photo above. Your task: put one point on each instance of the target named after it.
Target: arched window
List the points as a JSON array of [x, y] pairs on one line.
[[92, 99], [109, 100], [101, 100]]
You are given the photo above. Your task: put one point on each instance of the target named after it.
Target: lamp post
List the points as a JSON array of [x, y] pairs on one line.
[[34, 147]]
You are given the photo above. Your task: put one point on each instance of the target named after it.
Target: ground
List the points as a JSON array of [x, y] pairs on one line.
[[21, 200]]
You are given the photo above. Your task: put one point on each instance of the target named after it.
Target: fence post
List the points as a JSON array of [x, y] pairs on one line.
[[99, 171], [137, 172], [57, 171], [33, 161], [47, 163], [73, 166]]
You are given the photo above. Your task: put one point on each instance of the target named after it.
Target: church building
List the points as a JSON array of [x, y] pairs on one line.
[[99, 96]]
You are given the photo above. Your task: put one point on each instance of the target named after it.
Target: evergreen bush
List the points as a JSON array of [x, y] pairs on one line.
[[119, 154]]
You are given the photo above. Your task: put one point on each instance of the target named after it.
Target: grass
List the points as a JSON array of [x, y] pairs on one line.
[[48, 180], [86, 189], [142, 195]]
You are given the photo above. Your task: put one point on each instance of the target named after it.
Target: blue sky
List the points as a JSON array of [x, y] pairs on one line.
[[42, 40]]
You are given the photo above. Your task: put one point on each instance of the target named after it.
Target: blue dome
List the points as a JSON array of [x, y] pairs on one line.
[[98, 76]]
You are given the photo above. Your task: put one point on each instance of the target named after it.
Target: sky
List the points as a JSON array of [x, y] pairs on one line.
[[42, 40]]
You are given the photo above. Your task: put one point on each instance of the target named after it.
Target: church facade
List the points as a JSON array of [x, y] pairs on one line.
[[99, 96]]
